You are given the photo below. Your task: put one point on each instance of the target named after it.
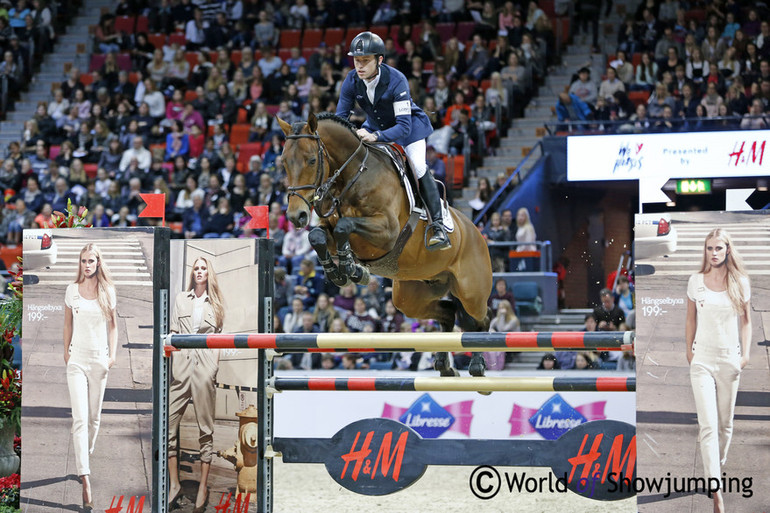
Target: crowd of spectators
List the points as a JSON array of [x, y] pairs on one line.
[[678, 70], [174, 109]]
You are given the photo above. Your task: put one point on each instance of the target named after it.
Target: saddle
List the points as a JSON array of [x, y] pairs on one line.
[[409, 182]]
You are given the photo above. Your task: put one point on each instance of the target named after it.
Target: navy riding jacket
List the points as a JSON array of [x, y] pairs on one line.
[[393, 116]]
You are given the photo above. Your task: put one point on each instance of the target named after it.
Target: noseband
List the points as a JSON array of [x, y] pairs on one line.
[[321, 188]]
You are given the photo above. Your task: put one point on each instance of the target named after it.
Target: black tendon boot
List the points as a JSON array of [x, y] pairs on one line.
[[439, 238]]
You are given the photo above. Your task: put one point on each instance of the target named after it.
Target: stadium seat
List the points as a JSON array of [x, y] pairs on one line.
[[142, 24], [485, 84], [177, 38], [380, 30], [455, 171], [308, 52], [528, 298], [191, 58], [124, 61], [90, 170], [290, 38], [284, 54], [97, 61], [236, 56], [125, 24], [639, 97], [445, 30], [242, 116], [239, 134], [248, 150], [548, 7], [86, 79], [157, 40], [10, 256], [464, 30], [351, 33], [272, 109], [334, 36], [133, 77], [54, 152], [312, 38]]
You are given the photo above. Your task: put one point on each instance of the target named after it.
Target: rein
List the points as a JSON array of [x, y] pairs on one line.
[[321, 189]]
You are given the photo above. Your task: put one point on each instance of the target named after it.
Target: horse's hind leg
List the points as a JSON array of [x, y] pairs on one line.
[[478, 365], [420, 300], [318, 239]]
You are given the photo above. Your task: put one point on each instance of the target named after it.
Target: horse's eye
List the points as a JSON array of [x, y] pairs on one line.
[[311, 161]]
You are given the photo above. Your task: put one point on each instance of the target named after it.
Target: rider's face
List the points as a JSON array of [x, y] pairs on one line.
[[366, 66]]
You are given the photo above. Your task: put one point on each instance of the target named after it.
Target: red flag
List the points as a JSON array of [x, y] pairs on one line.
[[156, 206], [259, 218]]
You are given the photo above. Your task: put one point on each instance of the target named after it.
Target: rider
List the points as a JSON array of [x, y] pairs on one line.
[[391, 116]]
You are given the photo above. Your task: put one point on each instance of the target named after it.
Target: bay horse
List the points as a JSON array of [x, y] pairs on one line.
[[356, 191]]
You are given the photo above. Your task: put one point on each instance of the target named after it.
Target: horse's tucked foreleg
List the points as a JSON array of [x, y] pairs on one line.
[[347, 266], [318, 241]]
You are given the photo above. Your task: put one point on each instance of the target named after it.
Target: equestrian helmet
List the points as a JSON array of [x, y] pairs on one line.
[[366, 43]]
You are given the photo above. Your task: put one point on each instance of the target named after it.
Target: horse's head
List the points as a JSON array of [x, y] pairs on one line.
[[306, 167]]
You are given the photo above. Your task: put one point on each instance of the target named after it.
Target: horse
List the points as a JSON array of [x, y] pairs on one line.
[[356, 191]]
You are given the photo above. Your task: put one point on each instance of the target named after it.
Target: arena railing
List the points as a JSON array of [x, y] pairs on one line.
[[653, 125]]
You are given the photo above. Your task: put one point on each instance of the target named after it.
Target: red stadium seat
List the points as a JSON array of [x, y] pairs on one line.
[[485, 84], [242, 116], [639, 97], [90, 170], [272, 109], [248, 150], [312, 38], [308, 52], [97, 61], [416, 33], [235, 57], [133, 77], [124, 61], [351, 33], [429, 66], [548, 7], [191, 58], [464, 30], [86, 79], [190, 95], [239, 134], [445, 30], [142, 24], [125, 24], [380, 30], [636, 59], [334, 36], [54, 152], [284, 54], [289, 38], [157, 40], [177, 38]]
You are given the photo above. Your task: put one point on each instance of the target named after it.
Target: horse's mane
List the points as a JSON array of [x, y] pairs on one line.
[[330, 116]]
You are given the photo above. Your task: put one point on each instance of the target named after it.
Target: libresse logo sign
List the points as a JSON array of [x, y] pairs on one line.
[[554, 418], [431, 420]]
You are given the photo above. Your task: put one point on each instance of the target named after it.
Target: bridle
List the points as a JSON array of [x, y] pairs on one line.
[[321, 189]]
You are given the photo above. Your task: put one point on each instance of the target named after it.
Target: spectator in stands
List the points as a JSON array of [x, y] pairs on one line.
[[628, 36], [667, 122], [688, 102], [500, 294], [222, 108], [664, 45], [293, 318], [155, 101], [659, 99], [571, 108], [610, 86], [584, 88], [463, 133], [755, 118], [59, 106], [265, 32], [454, 58], [752, 26], [549, 362], [608, 316], [221, 223], [436, 165], [32, 195], [195, 218], [525, 232], [20, 219], [505, 319], [157, 69], [712, 100], [584, 361], [138, 152], [713, 47], [361, 320], [177, 142], [195, 31], [309, 284], [10, 70], [623, 68], [496, 232], [646, 74], [296, 248], [107, 39]]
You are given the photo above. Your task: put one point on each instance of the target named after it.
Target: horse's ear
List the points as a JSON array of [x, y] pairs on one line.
[[284, 125], [312, 123]]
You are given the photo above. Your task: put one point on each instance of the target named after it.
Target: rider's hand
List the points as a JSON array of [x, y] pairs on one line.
[[366, 135]]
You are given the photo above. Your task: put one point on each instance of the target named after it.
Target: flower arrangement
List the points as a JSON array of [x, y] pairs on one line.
[[9, 493], [10, 399]]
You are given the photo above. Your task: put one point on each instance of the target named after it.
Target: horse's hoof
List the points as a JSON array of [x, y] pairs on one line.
[[441, 364], [477, 367], [361, 276]]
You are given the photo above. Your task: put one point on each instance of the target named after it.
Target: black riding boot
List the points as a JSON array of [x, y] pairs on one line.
[[439, 239]]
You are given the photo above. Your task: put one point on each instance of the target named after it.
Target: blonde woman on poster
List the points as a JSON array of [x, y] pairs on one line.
[[718, 336], [90, 345], [198, 310]]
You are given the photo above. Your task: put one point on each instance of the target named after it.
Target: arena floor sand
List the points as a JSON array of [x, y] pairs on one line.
[[305, 488]]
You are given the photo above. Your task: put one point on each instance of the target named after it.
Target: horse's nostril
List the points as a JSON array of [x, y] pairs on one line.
[[302, 218]]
